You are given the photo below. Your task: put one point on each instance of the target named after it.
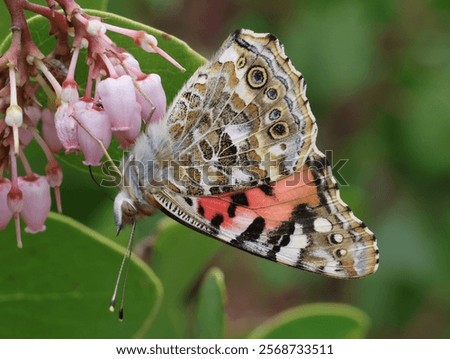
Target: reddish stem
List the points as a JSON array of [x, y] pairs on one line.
[[54, 17]]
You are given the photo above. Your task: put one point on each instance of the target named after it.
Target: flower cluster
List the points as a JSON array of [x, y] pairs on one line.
[[116, 99]]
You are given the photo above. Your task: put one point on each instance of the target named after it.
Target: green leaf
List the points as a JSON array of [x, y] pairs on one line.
[[210, 320], [60, 284], [178, 257], [320, 321]]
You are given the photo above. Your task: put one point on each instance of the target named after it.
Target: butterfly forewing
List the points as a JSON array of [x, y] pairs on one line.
[[242, 120]]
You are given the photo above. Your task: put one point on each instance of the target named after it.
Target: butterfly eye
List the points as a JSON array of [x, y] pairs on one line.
[[241, 62], [335, 238], [272, 93], [279, 130], [275, 114], [257, 77], [340, 253]]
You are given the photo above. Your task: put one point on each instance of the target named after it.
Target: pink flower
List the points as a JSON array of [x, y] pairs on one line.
[[129, 62], [98, 124], [127, 138], [151, 96], [36, 202], [5, 212], [49, 131], [119, 101], [67, 127]]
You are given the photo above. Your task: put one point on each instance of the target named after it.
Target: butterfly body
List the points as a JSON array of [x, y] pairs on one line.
[[235, 158]]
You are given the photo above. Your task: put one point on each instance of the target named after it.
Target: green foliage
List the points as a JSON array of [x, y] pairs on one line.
[[320, 320], [176, 247], [59, 285], [210, 319]]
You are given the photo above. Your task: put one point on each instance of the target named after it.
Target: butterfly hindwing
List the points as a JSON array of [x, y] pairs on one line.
[[299, 221]]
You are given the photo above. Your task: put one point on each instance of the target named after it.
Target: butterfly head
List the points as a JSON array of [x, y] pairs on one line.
[[125, 211]]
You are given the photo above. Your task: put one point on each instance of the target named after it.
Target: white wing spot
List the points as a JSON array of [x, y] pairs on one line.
[[338, 238], [322, 225]]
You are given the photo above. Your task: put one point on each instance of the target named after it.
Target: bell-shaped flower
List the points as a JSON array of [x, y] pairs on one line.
[[119, 101], [129, 62], [151, 96], [67, 127], [97, 122], [36, 200], [49, 131], [5, 212], [127, 138]]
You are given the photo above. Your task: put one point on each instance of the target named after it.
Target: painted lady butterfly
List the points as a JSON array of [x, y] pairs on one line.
[[235, 158]]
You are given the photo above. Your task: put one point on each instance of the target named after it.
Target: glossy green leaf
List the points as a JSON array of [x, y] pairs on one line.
[[210, 319], [321, 320], [60, 284], [177, 258]]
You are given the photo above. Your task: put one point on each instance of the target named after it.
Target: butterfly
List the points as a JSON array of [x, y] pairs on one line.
[[235, 158]]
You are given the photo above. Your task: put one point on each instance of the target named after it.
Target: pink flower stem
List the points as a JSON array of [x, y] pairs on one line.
[[52, 164], [13, 168], [12, 86], [13, 102], [73, 65], [53, 81], [26, 165], [109, 66], [48, 153], [121, 30], [58, 199], [18, 231], [15, 187], [88, 90], [48, 91]]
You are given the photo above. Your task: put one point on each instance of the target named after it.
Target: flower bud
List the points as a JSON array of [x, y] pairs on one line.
[[146, 41], [14, 116], [94, 27]]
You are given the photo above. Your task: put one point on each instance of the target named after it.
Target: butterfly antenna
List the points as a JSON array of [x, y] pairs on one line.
[[125, 264], [98, 184]]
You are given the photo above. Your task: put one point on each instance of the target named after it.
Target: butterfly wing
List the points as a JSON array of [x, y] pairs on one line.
[[299, 221], [241, 120]]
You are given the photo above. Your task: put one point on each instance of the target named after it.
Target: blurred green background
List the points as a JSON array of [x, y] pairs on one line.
[[378, 75]]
